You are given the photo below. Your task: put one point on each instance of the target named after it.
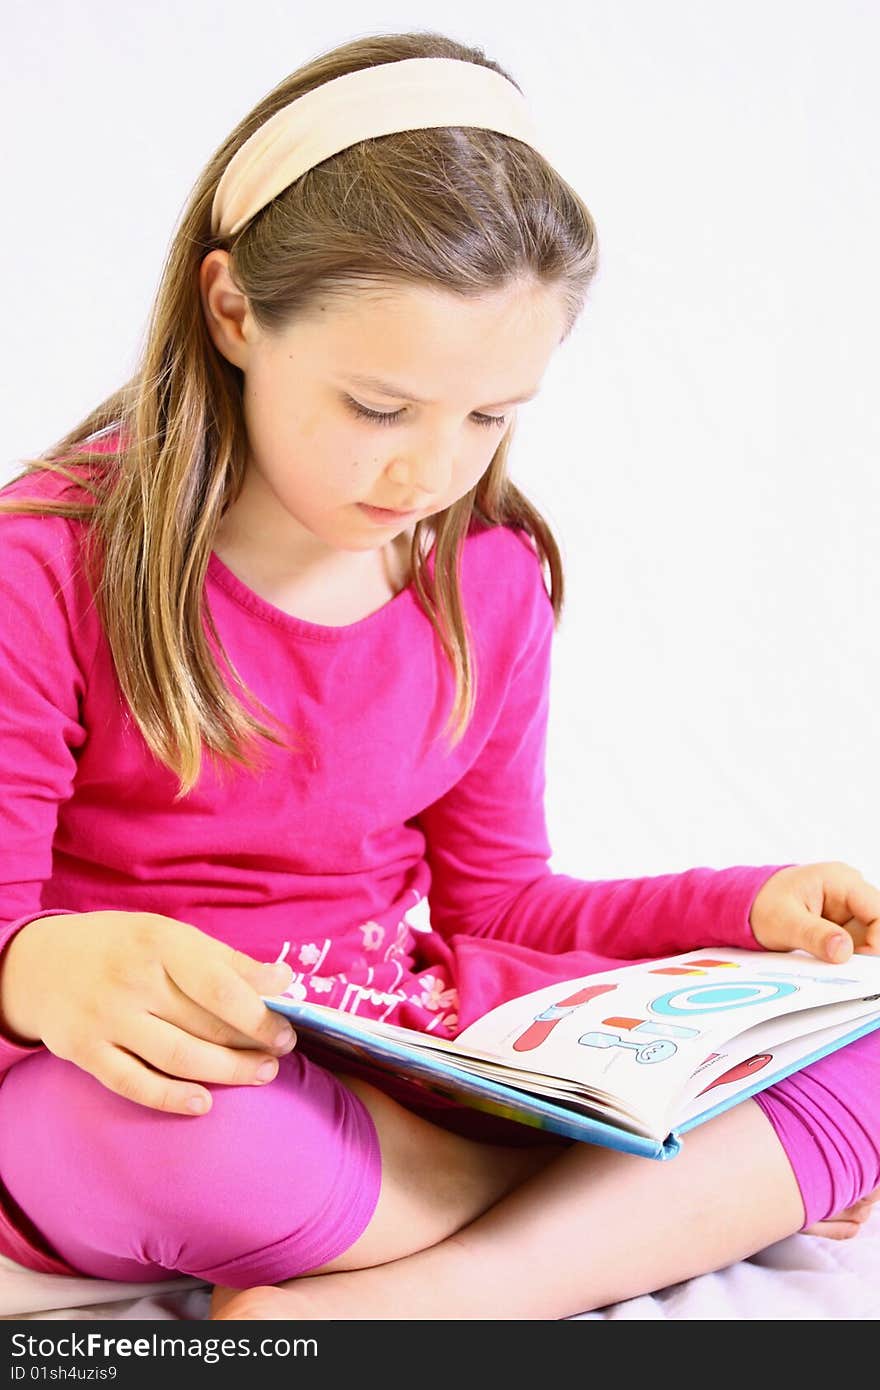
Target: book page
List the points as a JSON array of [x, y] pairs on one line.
[[640, 1032], [764, 1062], [633, 1043], [739, 1061]]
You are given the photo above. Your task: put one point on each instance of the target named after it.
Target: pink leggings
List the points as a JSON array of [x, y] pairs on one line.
[[276, 1180]]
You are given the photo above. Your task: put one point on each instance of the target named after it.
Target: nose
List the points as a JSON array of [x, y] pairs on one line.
[[425, 474]]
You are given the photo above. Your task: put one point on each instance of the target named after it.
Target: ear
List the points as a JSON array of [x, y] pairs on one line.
[[227, 311]]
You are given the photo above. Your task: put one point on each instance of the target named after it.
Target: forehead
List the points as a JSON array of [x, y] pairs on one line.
[[384, 387], [414, 342], [523, 301]]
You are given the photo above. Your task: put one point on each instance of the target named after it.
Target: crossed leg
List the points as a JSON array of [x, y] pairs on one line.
[[592, 1226]]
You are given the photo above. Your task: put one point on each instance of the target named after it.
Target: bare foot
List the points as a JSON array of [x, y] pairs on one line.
[[221, 1296], [264, 1301], [310, 1298], [845, 1224]]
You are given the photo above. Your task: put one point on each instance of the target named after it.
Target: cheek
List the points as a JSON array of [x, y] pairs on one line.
[[325, 451], [473, 467], [277, 436], [342, 463], [355, 459]]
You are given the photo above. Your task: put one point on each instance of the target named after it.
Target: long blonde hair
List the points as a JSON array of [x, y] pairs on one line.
[[466, 210]]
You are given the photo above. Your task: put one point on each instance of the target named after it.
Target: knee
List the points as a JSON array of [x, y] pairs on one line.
[[123, 1163], [177, 1191], [828, 1120]]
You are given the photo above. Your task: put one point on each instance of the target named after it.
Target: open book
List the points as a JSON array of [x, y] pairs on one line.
[[633, 1057]]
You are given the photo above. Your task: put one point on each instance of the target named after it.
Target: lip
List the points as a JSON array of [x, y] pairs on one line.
[[384, 514]]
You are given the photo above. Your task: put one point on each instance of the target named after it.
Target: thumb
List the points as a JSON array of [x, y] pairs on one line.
[[823, 939]]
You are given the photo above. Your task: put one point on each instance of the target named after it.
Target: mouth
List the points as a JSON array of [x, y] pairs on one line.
[[385, 514]]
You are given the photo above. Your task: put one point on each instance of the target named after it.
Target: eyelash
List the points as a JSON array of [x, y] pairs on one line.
[[387, 419]]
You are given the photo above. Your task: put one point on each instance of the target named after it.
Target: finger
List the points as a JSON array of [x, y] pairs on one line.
[[840, 894], [189, 1016], [174, 1086], [225, 985], [128, 1076], [863, 904], [865, 940], [176, 1053], [823, 939], [831, 889]]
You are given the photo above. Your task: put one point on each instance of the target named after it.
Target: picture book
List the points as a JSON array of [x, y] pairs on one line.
[[631, 1058]]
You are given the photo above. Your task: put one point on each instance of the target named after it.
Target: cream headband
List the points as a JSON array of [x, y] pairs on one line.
[[413, 94]]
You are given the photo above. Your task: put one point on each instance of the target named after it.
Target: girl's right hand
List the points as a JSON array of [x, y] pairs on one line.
[[138, 1000]]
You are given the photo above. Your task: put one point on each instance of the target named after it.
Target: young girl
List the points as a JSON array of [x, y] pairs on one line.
[[302, 501]]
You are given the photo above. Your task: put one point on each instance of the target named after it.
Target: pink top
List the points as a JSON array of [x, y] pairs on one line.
[[331, 859]]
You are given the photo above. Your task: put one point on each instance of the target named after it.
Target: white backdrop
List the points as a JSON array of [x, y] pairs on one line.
[[705, 446]]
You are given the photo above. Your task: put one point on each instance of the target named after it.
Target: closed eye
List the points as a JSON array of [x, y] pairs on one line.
[[388, 418]]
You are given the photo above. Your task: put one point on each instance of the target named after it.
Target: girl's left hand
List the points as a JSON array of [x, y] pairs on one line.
[[829, 910]]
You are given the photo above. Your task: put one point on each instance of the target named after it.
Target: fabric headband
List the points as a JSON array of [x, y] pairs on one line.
[[413, 94]]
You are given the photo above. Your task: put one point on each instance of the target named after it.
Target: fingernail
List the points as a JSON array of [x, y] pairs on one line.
[[837, 945], [267, 1071], [286, 1038]]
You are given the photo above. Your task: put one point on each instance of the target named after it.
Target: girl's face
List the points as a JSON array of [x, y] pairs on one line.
[[315, 455]]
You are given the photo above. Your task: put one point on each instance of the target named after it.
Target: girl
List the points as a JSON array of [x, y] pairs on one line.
[[303, 493]]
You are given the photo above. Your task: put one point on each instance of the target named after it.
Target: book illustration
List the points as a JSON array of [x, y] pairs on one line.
[[750, 1067], [652, 1027], [840, 981], [717, 997], [656, 1051], [543, 1023], [645, 1052], [696, 967], [704, 998]]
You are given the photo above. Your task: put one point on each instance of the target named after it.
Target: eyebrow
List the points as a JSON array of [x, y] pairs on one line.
[[388, 388]]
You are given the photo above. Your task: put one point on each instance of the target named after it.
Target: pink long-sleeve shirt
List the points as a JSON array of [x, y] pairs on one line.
[[399, 879]]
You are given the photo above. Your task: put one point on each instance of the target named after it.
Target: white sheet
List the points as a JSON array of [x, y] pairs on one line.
[[804, 1277]]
